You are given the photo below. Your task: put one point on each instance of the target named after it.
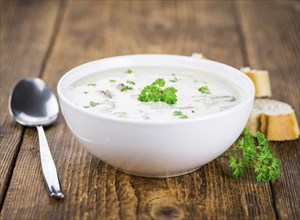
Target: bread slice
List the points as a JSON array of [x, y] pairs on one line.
[[277, 120], [261, 81]]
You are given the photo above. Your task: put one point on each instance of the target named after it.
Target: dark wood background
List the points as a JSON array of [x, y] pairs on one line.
[[47, 38]]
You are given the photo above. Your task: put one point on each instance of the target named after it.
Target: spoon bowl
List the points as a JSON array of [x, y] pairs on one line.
[[33, 104]]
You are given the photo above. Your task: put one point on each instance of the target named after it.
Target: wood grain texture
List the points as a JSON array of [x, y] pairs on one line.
[[24, 43], [272, 40], [91, 30]]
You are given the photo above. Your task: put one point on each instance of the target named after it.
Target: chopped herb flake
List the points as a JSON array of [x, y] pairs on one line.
[[125, 88], [180, 114], [130, 82], [174, 79], [129, 71], [183, 116], [93, 104], [85, 92], [204, 89], [177, 113], [112, 80], [91, 84]]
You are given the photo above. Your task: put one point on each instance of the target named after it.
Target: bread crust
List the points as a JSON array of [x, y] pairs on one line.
[[279, 127], [276, 119]]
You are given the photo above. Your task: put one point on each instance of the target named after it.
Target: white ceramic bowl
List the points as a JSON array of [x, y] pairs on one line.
[[152, 148]]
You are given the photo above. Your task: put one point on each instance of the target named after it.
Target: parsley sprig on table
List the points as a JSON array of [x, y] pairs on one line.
[[256, 153], [156, 93]]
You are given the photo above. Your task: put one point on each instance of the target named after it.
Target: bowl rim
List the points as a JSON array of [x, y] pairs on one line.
[[244, 102]]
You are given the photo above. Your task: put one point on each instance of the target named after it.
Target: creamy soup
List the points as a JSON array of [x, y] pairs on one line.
[[121, 93]]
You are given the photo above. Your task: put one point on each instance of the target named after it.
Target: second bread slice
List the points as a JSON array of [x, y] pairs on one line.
[[277, 120]]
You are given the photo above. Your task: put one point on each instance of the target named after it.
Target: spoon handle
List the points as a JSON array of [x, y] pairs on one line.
[[48, 166]]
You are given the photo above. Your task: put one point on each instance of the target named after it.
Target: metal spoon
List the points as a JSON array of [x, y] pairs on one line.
[[33, 104]]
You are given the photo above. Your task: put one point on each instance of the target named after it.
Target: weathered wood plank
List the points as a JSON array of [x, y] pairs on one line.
[[94, 190], [272, 40], [25, 35]]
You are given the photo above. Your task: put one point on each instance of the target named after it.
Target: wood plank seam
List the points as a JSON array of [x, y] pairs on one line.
[[240, 33], [273, 200], [56, 28], [11, 171]]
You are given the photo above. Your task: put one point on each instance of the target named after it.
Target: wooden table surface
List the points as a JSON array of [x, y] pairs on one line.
[[47, 38]]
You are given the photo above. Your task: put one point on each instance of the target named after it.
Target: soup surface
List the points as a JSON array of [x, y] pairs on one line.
[[170, 93]]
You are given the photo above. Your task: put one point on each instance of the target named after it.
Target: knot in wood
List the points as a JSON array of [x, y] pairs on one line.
[[161, 209]]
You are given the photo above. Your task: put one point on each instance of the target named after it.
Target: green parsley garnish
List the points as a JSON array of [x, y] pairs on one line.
[[256, 153], [92, 84], [150, 93], [92, 104], [112, 80], [85, 92], [193, 111], [155, 93], [129, 71], [174, 79], [125, 88], [159, 82], [169, 95], [204, 89], [130, 82], [180, 114]]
